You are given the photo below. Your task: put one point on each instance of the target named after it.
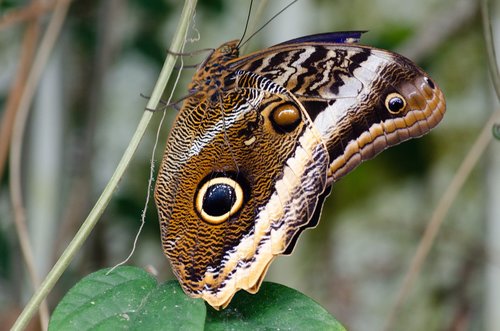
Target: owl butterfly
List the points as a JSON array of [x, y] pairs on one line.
[[259, 142]]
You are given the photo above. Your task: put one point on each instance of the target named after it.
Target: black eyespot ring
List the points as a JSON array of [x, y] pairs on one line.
[[430, 82], [395, 103], [218, 199], [285, 118]]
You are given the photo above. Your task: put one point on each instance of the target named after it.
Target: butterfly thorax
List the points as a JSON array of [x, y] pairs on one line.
[[211, 74]]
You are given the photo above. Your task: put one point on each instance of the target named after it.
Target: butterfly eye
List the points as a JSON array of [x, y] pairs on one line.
[[218, 199], [395, 103], [226, 49], [285, 117]]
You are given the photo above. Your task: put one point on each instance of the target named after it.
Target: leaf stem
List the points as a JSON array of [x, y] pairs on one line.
[[94, 215]]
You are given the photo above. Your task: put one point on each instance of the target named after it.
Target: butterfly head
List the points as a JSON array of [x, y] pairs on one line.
[[210, 75]]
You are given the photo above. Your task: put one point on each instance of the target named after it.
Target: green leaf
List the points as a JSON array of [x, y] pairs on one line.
[[169, 308], [130, 299], [274, 307], [127, 299]]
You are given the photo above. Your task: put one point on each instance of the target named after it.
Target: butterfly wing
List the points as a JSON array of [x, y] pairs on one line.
[[346, 90], [342, 37], [239, 177], [251, 157]]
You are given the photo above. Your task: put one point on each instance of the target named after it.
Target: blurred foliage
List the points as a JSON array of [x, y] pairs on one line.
[[5, 256]]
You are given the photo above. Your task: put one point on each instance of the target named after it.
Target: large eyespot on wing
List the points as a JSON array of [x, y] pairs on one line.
[[285, 117], [395, 103], [219, 197]]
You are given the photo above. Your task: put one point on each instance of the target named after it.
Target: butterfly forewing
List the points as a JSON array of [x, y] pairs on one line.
[[344, 88]]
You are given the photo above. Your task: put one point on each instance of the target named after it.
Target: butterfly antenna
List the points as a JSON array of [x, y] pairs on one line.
[[246, 24], [265, 24]]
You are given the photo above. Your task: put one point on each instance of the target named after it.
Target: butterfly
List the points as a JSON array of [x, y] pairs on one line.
[[260, 140]]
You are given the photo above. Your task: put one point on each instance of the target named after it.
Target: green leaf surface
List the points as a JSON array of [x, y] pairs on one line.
[[130, 299], [127, 299], [274, 307], [169, 308]]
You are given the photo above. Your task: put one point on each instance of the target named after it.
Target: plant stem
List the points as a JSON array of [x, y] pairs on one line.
[[92, 219], [14, 134]]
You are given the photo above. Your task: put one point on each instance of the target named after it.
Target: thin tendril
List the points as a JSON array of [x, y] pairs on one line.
[[151, 171]]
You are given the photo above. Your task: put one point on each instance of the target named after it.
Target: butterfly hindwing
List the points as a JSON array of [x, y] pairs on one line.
[[258, 139]]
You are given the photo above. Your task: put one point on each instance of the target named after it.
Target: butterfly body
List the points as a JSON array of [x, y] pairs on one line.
[[256, 147]]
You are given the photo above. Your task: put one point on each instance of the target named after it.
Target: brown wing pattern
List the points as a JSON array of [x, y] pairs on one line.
[[240, 140], [346, 90], [254, 151]]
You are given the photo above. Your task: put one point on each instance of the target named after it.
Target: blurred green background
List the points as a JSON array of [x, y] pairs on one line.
[[89, 103]]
